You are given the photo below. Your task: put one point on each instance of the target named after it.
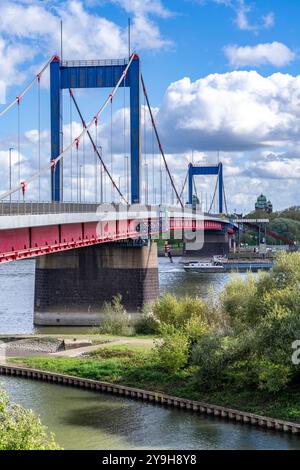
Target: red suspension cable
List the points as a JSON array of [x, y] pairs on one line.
[[159, 144]]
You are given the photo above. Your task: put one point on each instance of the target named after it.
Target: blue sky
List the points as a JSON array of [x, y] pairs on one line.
[[222, 76]]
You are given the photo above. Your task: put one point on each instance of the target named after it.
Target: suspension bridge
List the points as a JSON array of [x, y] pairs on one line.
[[93, 237]]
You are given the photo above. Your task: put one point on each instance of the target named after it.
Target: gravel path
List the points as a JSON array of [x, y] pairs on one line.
[[37, 346], [88, 349]]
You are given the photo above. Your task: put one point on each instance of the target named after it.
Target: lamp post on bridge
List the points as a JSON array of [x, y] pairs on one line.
[[101, 175], [80, 170], [126, 176], [146, 184], [10, 149], [99, 147]]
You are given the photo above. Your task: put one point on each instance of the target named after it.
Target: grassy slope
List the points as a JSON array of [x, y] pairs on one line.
[[136, 366]]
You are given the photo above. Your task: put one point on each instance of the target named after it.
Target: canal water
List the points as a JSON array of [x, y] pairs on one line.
[[88, 420], [17, 293]]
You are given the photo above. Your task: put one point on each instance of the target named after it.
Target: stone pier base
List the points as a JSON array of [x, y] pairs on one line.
[[71, 287], [214, 244]]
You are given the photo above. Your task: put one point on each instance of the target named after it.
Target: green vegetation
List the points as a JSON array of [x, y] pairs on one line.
[[21, 429], [285, 223], [235, 352], [115, 319]]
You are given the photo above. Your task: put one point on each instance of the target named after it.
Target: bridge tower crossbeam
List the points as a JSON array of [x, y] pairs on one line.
[[207, 170], [95, 74]]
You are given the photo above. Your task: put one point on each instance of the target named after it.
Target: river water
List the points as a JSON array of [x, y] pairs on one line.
[[86, 420], [17, 293]]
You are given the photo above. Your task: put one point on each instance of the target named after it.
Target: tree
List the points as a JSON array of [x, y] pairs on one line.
[[21, 429], [172, 349]]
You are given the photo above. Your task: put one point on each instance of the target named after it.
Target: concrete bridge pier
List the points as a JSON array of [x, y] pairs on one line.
[[213, 244], [71, 286]]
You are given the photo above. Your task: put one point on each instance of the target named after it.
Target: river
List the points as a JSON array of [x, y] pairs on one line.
[[86, 420], [17, 293]]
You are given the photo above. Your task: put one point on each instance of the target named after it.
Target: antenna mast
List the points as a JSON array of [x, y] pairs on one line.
[[129, 38], [61, 40]]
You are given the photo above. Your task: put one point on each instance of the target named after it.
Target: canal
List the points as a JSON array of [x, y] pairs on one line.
[[89, 420]]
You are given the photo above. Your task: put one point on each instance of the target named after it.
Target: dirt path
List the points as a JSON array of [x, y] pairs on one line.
[[87, 349], [54, 347]]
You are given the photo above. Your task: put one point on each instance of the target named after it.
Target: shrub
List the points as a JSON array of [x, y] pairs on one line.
[[272, 377], [21, 429], [147, 324], [116, 320], [167, 310], [211, 357], [177, 312], [172, 350], [240, 303], [194, 328]]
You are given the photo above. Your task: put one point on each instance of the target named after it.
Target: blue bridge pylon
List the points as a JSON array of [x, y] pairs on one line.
[[95, 74], [207, 170]]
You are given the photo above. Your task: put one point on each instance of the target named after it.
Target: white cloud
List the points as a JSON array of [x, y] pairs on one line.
[[275, 53], [243, 10], [243, 22], [232, 111], [12, 56], [144, 7], [30, 31], [269, 20], [86, 33], [273, 166]]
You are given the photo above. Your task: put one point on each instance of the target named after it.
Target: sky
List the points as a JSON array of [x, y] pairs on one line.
[[222, 78]]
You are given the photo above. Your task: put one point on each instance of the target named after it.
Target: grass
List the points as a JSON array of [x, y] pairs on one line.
[[137, 366]]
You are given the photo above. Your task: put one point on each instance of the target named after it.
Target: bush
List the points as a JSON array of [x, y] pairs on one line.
[[194, 328], [147, 324], [177, 312], [167, 310], [272, 377], [116, 320], [240, 303], [21, 429], [173, 349]]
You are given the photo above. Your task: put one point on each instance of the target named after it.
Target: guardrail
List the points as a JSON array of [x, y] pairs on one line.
[[35, 208], [91, 63]]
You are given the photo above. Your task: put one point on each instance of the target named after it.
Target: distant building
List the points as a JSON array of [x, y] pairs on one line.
[[263, 205]]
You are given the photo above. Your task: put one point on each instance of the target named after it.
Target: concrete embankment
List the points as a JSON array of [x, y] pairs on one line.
[[154, 397], [11, 346]]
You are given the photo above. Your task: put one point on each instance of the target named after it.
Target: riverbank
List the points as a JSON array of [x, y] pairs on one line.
[[136, 366], [154, 397]]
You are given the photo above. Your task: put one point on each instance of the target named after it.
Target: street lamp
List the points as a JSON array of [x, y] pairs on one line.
[[101, 174], [126, 176], [80, 171], [10, 149], [146, 183]]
